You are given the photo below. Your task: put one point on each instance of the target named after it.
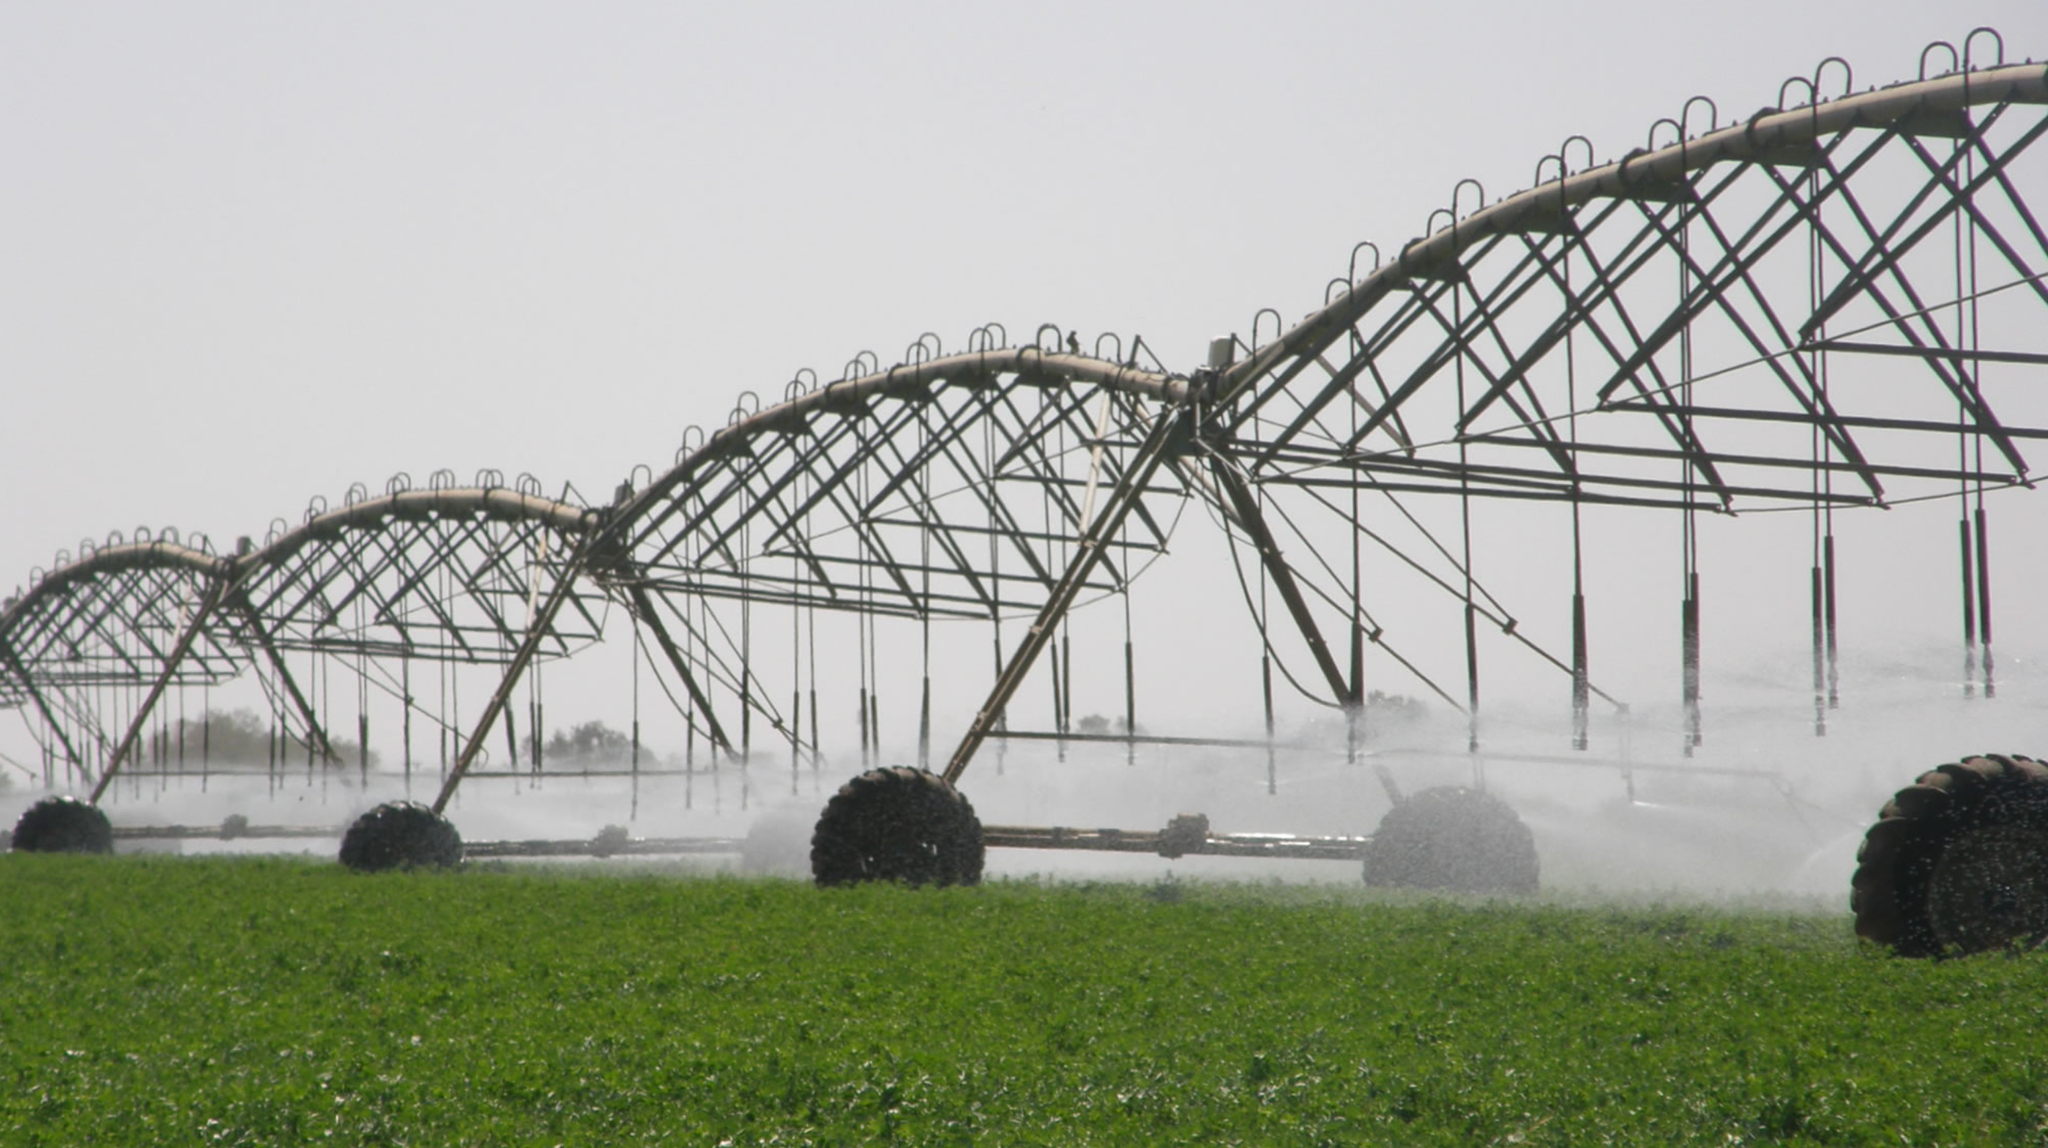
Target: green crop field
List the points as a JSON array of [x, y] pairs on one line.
[[167, 1001]]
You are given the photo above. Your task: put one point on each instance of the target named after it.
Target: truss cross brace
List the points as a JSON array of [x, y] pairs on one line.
[[537, 631], [316, 735], [1246, 508], [1169, 431], [644, 607], [43, 707], [215, 590]]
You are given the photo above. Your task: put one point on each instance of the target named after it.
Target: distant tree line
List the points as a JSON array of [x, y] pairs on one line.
[[1397, 709], [243, 737], [1382, 709], [591, 743], [1099, 725]]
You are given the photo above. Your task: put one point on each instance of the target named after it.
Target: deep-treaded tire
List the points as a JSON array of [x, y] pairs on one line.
[[897, 824], [401, 835], [1958, 861], [63, 825], [1455, 839]]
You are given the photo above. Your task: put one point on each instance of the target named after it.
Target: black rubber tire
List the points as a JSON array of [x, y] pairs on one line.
[[1454, 839], [401, 835], [897, 824], [1958, 861], [63, 825]]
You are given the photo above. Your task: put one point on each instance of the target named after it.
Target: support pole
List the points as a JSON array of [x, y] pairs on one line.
[[863, 702], [1167, 430], [1130, 700], [875, 708], [316, 737], [1817, 594], [746, 682], [1582, 699], [536, 728], [43, 707], [1689, 652], [536, 632], [1066, 656], [1059, 712], [924, 724], [796, 732], [1827, 558], [1984, 600], [639, 655], [1354, 705], [1354, 714], [644, 606], [214, 591], [1246, 507], [1266, 691], [796, 684], [1471, 668], [405, 732], [1969, 612]]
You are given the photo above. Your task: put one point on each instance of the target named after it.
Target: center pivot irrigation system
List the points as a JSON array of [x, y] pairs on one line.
[[1835, 304]]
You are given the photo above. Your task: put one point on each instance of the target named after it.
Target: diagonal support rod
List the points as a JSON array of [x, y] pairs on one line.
[[316, 735], [1246, 508], [643, 606], [43, 707], [215, 590], [537, 631], [1168, 433]]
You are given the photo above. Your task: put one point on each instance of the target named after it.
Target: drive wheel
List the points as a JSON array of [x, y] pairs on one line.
[[63, 825], [897, 824], [1456, 839], [401, 835], [1958, 861]]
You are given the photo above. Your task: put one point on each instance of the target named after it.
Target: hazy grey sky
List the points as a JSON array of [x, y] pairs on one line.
[[255, 252]]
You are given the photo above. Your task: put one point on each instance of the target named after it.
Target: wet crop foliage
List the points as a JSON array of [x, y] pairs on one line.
[[267, 1001]]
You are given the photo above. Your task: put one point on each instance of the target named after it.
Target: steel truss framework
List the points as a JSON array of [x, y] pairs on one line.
[[1828, 306], [1825, 307], [445, 574]]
